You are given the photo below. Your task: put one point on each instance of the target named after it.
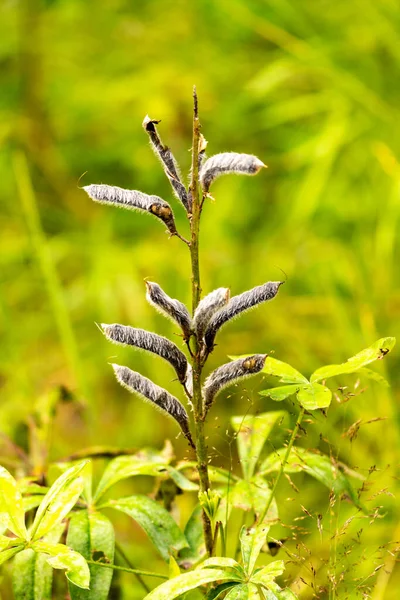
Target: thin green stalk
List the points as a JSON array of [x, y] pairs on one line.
[[283, 465], [121, 552], [46, 265], [126, 569], [201, 446]]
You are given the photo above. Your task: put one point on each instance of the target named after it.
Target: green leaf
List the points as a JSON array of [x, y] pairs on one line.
[[253, 495], [285, 372], [30, 502], [281, 393], [173, 568], [62, 557], [7, 554], [252, 432], [318, 466], [89, 533], [181, 481], [268, 574], [32, 576], [122, 467], [195, 538], [58, 501], [252, 540], [226, 563], [156, 522], [370, 374], [246, 591], [11, 505], [219, 590], [377, 351], [314, 396], [173, 588]]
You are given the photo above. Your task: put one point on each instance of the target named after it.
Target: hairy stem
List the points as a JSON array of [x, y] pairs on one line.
[[283, 465], [201, 446]]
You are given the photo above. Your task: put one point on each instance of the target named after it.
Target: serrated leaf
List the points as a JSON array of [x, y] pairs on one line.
[[91, 532], [377, 351], [157, 522], [173, 588], [252, 540], [252, 432], [318, 466], [253, 495], [62, 557], [58, 501], [314, 396], [122, 467], [195, 539], [266, 575], [11, 505], [32, 576], [281, 393]]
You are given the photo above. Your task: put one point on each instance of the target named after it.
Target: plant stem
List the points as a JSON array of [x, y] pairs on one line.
[[126, 570], [201, 447], [121, 551], [283, 465]]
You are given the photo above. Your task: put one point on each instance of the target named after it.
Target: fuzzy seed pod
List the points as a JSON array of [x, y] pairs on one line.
[[237, 305], [231, 373], [130, 336], [132, 199], [207, 307], [169, 307], [228, 162], [169, 163], [134, 382]]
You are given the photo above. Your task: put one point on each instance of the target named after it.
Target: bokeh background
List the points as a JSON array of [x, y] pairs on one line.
[[312, 88]]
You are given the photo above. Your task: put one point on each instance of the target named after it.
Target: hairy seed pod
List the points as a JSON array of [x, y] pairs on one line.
[[228, 162], [237, 305], [231, 373], [169, 307], [132, 199], [130, 336], [167, 159], [207, 307], [134, 382]]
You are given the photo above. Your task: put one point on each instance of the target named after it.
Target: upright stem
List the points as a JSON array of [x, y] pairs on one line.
[[283, 465], [201, 447]]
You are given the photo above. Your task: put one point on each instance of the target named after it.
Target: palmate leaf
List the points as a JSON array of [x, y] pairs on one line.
[[317, 465], [157, 522], [266, 575], [252, 540], [377, 351], [32, 576], [252, 431], [11, 505], [62, 557], [244, 591], [91, 532], [58, 501], [174, 588], [218, 592]]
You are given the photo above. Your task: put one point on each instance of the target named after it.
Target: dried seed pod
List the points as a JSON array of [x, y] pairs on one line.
[[228, 162], [231, 373], [207, 307], [171, 308], [132, 199], [134, 382], [169, 163], [237, 305], [130, 336]]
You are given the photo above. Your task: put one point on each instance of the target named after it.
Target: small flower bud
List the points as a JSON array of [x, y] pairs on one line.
[[231, 373], [168, 161], [207, 307], [169, 307], [228, 162], [134, 382], [122, 334], [132, 199], [238, 305]]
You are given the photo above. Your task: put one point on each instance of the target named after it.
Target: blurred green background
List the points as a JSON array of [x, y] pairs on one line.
[[312, 88]]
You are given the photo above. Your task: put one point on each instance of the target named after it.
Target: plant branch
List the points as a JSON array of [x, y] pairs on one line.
[[126, 569], [121, 552], [197, 399], [283, 465]]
